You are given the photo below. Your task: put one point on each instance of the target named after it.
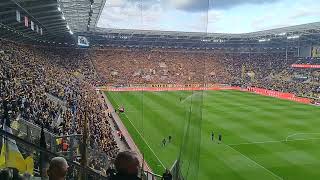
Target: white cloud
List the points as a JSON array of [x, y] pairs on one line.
[[214, 16], [258, 23], [204, 5], [304, 12], [188, 15], [116, 3], [292, 17]]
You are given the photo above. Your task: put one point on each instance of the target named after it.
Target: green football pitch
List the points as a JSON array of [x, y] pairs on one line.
[[262, 137]]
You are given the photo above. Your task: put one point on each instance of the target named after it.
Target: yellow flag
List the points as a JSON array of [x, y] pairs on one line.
[[29, 165], [10, 155]]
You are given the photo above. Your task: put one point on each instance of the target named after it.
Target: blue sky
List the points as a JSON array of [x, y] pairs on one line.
[[216, 16]]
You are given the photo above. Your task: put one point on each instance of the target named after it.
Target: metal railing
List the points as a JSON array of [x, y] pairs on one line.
[[31, 133], [151, 176], [26, 148]]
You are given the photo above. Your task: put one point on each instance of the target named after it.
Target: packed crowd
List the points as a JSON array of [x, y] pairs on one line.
[[302, 82], [308, 60], [54, 87], [50, 89], [270, 70], [183, 67]]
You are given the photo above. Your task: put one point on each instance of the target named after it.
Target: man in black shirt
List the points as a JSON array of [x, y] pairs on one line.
[[212, 136], [127, 166], [111, 172], [164, 141], [167, 175]]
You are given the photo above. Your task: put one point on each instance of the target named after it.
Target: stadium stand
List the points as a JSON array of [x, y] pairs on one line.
[[56, 62], [47, 88], [266, 70], [37, 87]]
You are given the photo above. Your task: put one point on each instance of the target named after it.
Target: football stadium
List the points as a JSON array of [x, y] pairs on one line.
[[159, 89]]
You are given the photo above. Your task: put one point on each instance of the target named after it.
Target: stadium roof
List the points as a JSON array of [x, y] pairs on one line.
[[43, 13], [303, 29], [289, 36], [82, 15], [60, 19]]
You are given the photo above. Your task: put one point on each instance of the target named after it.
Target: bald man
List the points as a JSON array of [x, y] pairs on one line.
[[58, 168]]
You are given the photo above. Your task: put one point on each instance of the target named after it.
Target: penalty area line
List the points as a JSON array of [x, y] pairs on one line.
[[145, 142], [291, 135], [266, 142], [272, 173]]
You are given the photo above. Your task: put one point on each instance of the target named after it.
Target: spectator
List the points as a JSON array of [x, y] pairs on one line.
[[127, 166], [167, 175], [45, 87], [58, 168], [10, 174], [5, 175], [111, 172]]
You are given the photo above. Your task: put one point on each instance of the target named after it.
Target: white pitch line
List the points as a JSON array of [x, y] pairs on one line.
[[277, 177], [144, 140], [255, 142], [132, 111], [298, 134], [190, 96], [280, 141]]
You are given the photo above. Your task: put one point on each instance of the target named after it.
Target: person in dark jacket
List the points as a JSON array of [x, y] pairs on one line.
[[127, 166], [220, 138], [167, 175]]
